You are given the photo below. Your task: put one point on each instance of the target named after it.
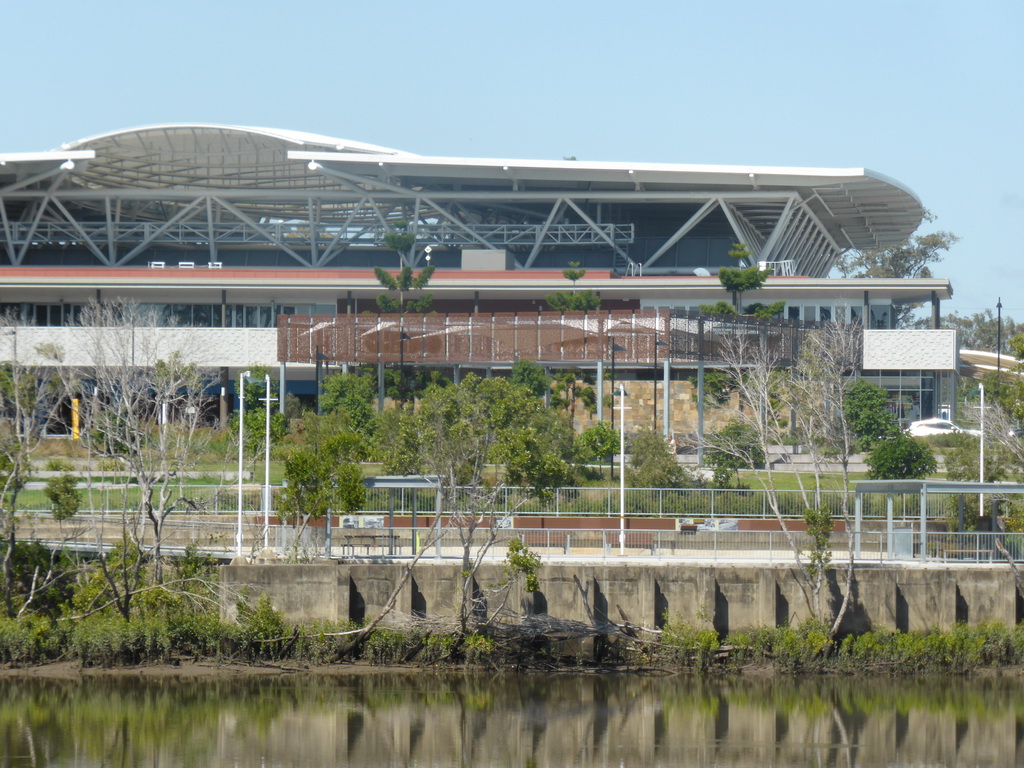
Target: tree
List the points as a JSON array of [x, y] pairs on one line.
[[399, 239], [738, 281], [901, 457], [403, 282], [352, 394], [911, 258], [529, 374], [571, 301], [866, 407], [322, 474], [981, 330], [598, 441], [140, 405], [653, 465], [572, 386], [29, 401], [456, 433], [736, 446]]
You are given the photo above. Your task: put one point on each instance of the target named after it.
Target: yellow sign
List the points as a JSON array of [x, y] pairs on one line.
[[74, 418]]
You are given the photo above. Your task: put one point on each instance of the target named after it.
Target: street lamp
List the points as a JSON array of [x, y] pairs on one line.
[[999, 345], [402, 338], [622, 467], [241, 444], [267, 399], [654, 398], [320, 359], [615, 348]]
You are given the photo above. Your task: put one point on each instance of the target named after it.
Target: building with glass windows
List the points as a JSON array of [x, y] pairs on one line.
[[224, 229]]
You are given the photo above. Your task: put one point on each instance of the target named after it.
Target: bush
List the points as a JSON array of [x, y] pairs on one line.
[[389, 646], [901, 458], [260, 630]]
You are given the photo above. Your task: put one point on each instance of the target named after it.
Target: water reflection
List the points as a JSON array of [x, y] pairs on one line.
[[399, 719]]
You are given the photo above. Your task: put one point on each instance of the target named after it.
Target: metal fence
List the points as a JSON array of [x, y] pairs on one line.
[[700, 503], [217, 537]]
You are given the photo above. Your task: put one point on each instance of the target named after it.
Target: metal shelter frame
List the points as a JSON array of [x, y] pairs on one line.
[[921, 488]]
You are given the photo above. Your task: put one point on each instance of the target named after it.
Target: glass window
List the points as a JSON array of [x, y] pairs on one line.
[[856, 313], [880, 316], [793, 313], [825, 314]]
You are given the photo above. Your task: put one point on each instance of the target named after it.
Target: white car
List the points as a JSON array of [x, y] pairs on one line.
[[927, 427]]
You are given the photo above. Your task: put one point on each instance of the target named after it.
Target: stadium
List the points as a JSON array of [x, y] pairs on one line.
[[225, 230]]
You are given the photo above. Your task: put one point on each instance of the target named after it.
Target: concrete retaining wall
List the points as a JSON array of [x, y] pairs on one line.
[[731, 598]]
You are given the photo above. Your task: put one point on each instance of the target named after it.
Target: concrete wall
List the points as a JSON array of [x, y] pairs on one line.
[[731, 598]]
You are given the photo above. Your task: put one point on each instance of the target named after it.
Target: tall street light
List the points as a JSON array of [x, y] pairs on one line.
[[654, 398], [267, 399], [615, 348], [999, 345], [622, 467], [241, 443]]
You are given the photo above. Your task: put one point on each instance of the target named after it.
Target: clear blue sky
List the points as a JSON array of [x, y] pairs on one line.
[[927, 92]]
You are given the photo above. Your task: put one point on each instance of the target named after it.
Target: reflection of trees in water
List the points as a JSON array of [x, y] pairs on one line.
[[427, 718]]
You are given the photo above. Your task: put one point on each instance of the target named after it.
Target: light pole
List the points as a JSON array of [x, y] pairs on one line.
[[266, 465], [622, 468], [615, 348], [241, 445], [402, 338], [981, 456], [654, 398], [999, 346]]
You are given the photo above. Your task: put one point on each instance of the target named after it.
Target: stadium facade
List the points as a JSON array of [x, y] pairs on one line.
[[225, 229]]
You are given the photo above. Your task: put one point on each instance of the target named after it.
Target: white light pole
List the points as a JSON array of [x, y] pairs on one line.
[[981, 457], [622, 469], [266, 466], [241, 443]]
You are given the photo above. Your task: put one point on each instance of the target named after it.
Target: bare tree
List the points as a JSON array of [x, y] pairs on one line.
[[810, 391], [140, 407], [29, 401], [816, 389]]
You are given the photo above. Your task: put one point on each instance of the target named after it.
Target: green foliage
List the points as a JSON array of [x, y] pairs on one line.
[[686, 645], [57, 465], [766, 311], [64, 497], [718, 308], [718, 386], [438, 649], [352, 394], [528, 374], [901, 457], [538, 454], [399, 239], [30, 563], [478, 649], [573, 273], [738, 281], [572, 386], [260, 629], [521, 562], [323, 474], [819, 529], [734, 447], [910, 259], [653, 465], [389, 646], [866, 407], [596, 442], [563, 301], [570, 301], [402, 283]]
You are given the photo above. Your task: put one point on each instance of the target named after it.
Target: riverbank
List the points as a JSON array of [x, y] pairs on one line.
[[261, 643]]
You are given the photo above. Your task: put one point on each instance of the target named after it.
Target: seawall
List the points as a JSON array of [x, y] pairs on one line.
[[732, 598]]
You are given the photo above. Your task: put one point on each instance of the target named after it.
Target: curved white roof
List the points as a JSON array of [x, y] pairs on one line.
[[205, 155]]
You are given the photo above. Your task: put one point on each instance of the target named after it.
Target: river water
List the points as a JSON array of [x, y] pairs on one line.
[[425, 719]]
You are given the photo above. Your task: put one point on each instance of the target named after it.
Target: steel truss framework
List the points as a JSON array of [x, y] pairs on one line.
[[207, 190]]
